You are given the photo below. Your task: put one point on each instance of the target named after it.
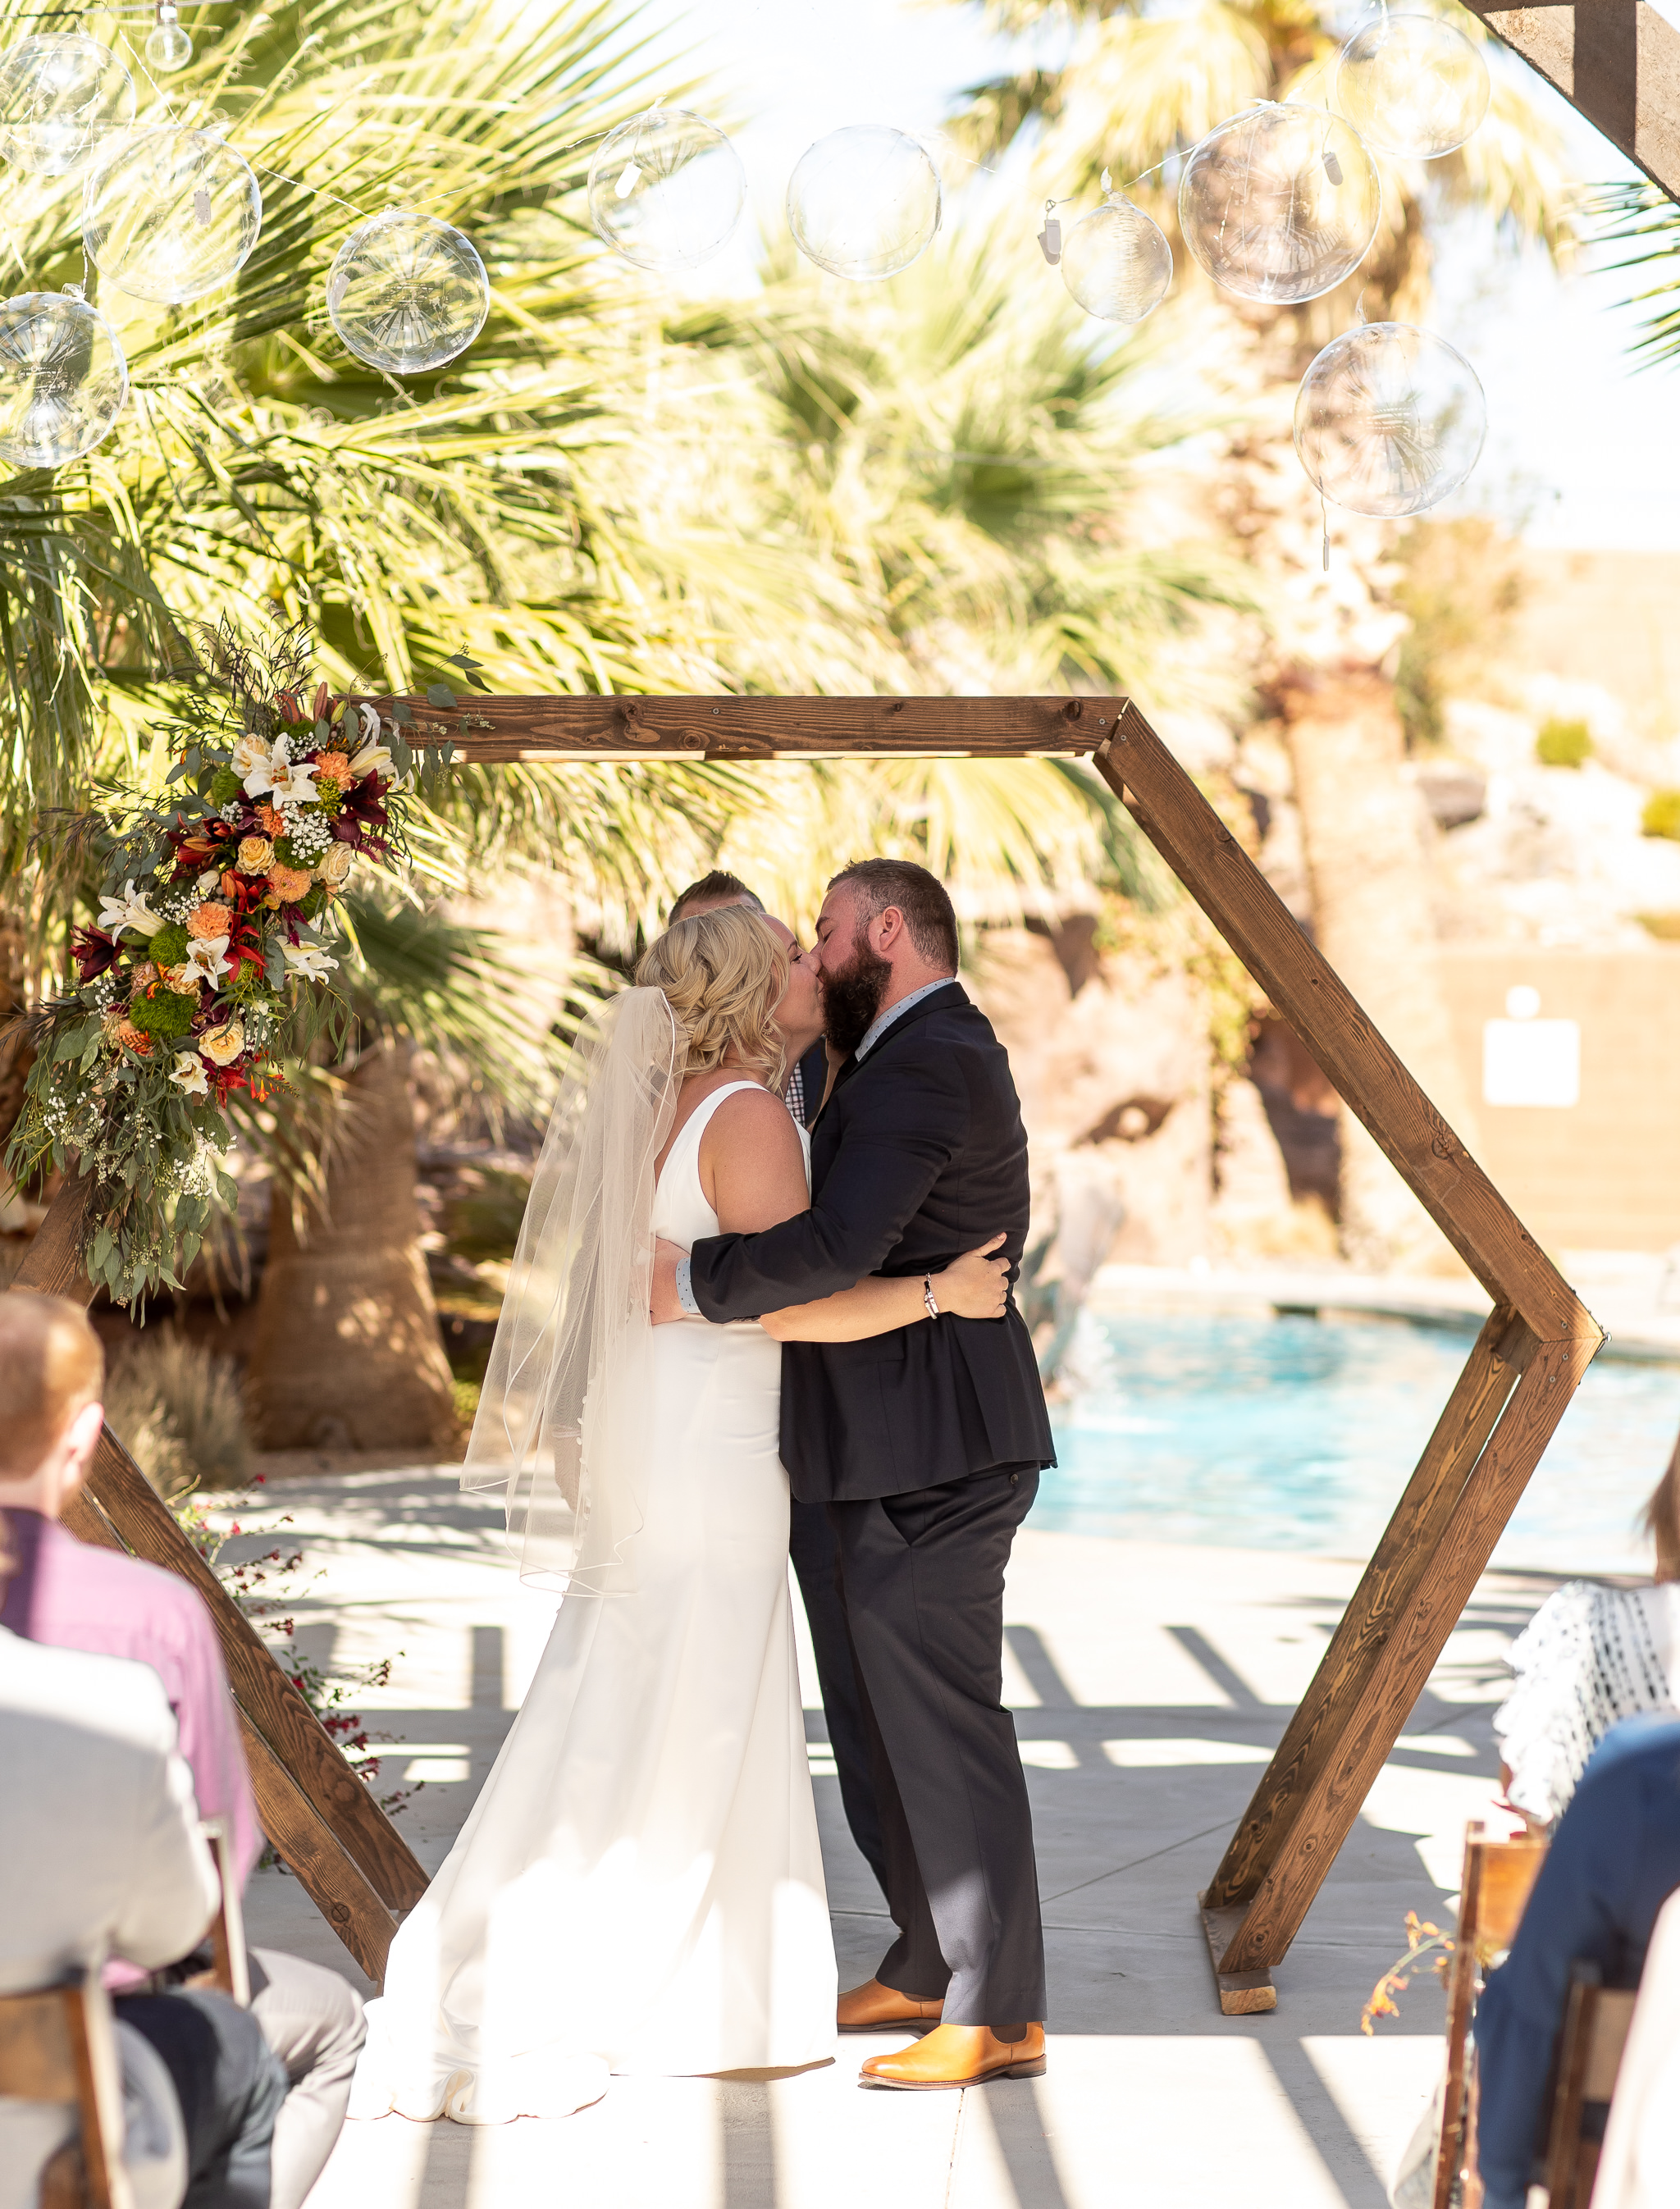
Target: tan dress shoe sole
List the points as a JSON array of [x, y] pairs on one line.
[[1031, 2066]]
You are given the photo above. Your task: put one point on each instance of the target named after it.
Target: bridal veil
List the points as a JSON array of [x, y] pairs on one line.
[[567, 1396]]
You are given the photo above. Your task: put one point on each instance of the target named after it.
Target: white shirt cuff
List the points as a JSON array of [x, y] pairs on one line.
[[685, 1290]]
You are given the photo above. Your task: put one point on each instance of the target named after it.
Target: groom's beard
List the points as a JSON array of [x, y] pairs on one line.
[[851, 998]]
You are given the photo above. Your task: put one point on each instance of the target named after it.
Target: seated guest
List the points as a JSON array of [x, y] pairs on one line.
[[77, 1596], [1613, 1861], [1642, 2152], [1590, 1656], [100, 1850]]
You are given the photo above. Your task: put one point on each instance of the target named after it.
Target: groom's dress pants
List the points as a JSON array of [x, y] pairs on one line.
[[922, 1575]]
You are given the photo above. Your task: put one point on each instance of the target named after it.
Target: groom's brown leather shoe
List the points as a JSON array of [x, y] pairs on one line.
[[959, 2056], [872, 2008]]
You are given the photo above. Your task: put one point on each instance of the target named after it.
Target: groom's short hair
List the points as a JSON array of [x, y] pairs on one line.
[[719, 887], [921, 898]]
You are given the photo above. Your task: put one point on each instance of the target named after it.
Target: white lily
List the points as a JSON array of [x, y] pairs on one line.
[[130, 911], [371, 758], [206, 958], [369, 724], [188, 1072], [308, 962], [276, 775]]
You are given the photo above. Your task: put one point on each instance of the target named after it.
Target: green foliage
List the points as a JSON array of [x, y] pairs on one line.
[[1461, 580], [1643, 215], [486, 1222], [160, 1014], [178, 1408], [1661, 817], [1563, 743]]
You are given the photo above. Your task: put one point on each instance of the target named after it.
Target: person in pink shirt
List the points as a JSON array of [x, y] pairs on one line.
[[71, 1595]]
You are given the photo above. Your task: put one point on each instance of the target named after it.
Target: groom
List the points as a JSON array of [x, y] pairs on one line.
[[926, 1447]]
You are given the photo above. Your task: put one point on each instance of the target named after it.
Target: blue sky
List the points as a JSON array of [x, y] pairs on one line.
[[1582, 448]]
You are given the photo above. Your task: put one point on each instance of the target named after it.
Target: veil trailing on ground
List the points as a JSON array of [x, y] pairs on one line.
[[562, 1419]]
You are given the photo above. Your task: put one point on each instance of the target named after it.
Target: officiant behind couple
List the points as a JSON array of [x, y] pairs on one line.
[[705, 1302]]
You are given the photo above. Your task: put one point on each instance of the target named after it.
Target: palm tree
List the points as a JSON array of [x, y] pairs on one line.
[[1139, 88]]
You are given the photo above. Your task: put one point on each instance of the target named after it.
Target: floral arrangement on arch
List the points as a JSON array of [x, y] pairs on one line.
[[215, 922]]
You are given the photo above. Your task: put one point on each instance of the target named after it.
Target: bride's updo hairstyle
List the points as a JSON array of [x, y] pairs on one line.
[[723, 974]]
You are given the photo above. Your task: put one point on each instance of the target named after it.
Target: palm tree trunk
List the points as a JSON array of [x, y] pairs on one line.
[[1368, 864], [347, 1351]]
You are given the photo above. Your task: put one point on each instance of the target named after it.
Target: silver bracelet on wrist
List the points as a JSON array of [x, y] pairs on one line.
[[928, 1297]]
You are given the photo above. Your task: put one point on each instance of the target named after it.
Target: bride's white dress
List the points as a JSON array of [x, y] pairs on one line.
[[638, 1887]]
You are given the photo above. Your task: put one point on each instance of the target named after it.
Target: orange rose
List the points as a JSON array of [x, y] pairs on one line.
[[289, 884], [257, 855], [209, 920]]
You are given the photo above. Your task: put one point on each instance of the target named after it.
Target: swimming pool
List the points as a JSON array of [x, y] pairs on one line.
[[1299, 1434]]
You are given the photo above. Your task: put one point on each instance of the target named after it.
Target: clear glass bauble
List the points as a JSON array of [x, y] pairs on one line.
[[1412, 85], [1389, 419], [1280, 204], [666, 190], [406, 292], [1117, 262], [169, 214], [63, 379], [59, 94], [865, 202], [168, 48]]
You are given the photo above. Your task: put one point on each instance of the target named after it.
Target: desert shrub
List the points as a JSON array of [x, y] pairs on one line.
[[484, 1223], [1661, 817], [1563, 743], [178, 1408]]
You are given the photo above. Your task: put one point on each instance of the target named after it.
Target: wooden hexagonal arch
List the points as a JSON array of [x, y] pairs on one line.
[[1522, 1371]]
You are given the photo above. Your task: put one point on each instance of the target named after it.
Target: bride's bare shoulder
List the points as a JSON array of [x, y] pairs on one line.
[[752, 1167], [749, 1118]]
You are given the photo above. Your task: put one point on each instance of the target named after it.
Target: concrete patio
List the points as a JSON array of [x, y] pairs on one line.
[[1149, 1683]]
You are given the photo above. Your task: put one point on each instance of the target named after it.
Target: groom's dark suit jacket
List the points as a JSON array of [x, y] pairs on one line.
[[918, 1155]]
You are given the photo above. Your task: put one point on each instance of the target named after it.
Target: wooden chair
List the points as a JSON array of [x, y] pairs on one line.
[[231, 1973], [1596, 2022], [1497, 1877], [57, 2044]]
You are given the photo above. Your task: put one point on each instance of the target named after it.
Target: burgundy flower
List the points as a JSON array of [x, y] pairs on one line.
[[93, 951]]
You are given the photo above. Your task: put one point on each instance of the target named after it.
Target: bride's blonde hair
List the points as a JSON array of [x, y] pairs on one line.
[[723, 975]]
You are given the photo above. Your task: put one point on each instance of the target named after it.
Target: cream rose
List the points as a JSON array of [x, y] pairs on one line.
[[222, 1044], [183, 979], [257, 855], [336, 861]]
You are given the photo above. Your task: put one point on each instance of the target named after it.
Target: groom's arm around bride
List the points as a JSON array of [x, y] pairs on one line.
[[926, 1444]]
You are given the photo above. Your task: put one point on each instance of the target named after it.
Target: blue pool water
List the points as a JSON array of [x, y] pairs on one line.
[[1299, 1434]]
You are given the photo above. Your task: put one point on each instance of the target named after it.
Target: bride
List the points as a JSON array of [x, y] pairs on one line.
[[639, 1886]]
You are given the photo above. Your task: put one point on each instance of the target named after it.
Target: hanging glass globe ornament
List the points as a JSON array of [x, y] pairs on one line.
[[167, 46], [1412, 85], [406, 292], [1279, 204], [1115, 261], [1389, 419], [865, 202], [666, 190], [63, 378], [169, 214], [58, 93]]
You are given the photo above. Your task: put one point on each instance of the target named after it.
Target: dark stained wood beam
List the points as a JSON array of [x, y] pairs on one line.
[[719, 728], [1516, 1384], [1616, 61]]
